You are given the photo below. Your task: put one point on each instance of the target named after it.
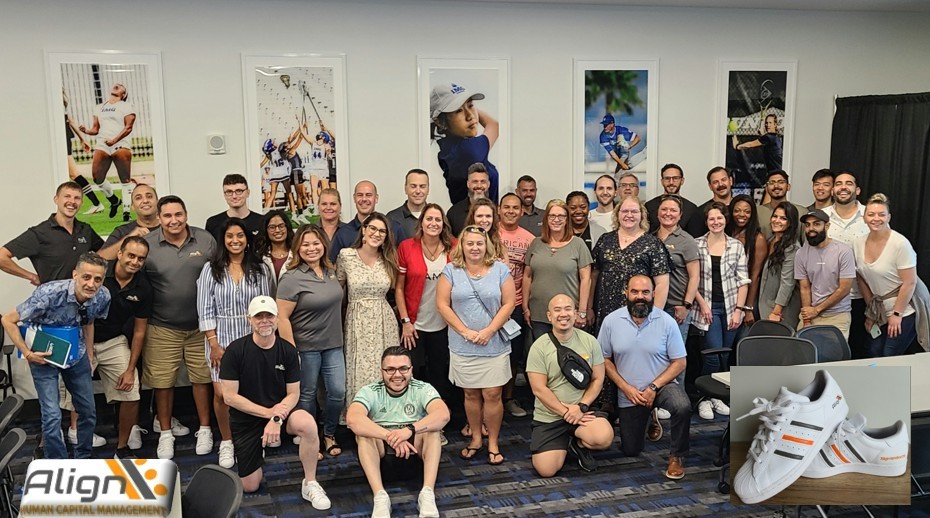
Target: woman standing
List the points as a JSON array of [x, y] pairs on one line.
[[227, 284], [721, 295], [685, 266], [274, 243], [483, 213], [475, 296], [369, 270], [310, 317], [744, 226], [779, 298], [330, 208], [556, 262], [886, 265]]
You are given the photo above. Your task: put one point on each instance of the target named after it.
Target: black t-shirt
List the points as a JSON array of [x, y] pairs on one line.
[[53, 251], [126, 304], [263, 374], [253, 223]]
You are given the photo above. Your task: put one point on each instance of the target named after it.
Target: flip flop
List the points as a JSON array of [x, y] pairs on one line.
[[333, 446], [469, 453], [491, 455]]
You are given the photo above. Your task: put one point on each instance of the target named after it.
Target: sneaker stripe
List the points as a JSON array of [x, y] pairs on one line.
[[853, 451], [825, 459], [838, 454], [805, 425], [797, 440], [789, 455]]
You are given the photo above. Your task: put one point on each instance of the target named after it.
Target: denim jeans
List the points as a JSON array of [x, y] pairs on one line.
[[718, 335], [78, 381], [683, 328], [633, 421], [886, 346], [332, 364]]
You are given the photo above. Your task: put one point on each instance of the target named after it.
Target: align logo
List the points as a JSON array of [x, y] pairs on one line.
[[100, 487]]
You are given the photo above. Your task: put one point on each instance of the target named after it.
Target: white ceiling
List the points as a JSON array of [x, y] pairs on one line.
[[804, 5]]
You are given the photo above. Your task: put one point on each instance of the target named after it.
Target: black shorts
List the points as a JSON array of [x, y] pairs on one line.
[[247, 440], [297, 176], [549, 436]]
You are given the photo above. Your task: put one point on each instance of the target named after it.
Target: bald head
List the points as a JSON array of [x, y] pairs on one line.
[[366, 198], [561, 312]]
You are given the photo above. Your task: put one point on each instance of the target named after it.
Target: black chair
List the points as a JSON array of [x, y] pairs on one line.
[[770, 328], [213, 492], [9, 445], [9, 410], [6, 377], [830, 342], [775, 351]]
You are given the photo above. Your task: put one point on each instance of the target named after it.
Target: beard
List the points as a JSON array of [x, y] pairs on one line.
[[814, 239], [639, 308]]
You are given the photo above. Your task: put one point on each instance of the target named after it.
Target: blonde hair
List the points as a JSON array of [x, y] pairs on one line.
[[566, 231], [643, 213], [879, 199], [458, 252]]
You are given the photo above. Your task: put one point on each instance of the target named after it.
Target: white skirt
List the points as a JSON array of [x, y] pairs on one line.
[[478, 372]]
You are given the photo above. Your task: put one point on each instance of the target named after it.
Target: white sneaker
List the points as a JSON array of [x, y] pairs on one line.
[[382, 506], [442, 438], [427, 503], [94, 210], [792, 430], [204, 441], [295, 440], [177, 429], [513, 408], [135, 437], [663, 413], [706, 409], [853, 448], [165, 448], [313, 493], [227, 454], [720, 407], [98, 441]]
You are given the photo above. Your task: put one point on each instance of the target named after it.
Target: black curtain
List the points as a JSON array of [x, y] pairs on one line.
[[885, 141]]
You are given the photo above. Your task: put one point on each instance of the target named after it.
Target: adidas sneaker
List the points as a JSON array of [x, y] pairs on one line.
[[853, 448], [792, 430]]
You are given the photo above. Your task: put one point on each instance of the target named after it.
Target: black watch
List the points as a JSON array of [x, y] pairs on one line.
[[583, 407], [405, 320], [413, 430], [276, 419], [653, 387], [896, 313], [687, 305]]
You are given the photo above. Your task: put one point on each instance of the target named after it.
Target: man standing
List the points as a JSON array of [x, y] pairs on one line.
[[236, 193], [777, 187], [561, 418], [605, 189], [720, 182], [478, 184], [416, 186], [826, 270], [145, 203], [260, 373], [64, 303], [177, 253], [823, 189], [366, 200], [586, 229], [672, 179], [629, 186], [398, 416], [618, 141], [847, 224], [644, 353], [532, 215]]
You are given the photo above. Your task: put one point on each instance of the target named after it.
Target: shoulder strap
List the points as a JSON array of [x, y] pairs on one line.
[[475, 292]]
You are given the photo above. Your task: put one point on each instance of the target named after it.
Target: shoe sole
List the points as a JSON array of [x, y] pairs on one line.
[[575, 449], [679, 477], [867, 469]]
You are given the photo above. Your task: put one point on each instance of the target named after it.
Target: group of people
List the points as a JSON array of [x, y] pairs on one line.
[[409, 317]]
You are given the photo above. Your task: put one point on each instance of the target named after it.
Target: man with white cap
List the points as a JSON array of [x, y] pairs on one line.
[[455, 126], [260, 374]]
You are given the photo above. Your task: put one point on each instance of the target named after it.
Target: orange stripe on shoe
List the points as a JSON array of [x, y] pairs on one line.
[[797, 440], [838, 454]]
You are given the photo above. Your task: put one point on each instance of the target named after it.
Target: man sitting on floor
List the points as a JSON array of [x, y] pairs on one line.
[[561, 419], [402, 417], [260, 374]]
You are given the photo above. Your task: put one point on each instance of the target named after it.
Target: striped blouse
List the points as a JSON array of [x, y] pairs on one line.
[[224, 305]]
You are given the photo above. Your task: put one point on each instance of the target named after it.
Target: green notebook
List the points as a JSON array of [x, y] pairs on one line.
[[44, 342]]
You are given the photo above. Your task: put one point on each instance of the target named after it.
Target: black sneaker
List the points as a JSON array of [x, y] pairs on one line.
[[38, 452], [124, 453], [585, 459], [114, 205]]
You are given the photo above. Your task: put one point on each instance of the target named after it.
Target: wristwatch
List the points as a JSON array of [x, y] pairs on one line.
[[653, 387], [583, 314], [745, 308], [413, 429], [687, 305], [583, 407], [896, 313], [405, 320], [276, 419]]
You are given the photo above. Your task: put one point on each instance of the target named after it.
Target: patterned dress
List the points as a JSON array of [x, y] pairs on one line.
[[647, 255], [370, 323]]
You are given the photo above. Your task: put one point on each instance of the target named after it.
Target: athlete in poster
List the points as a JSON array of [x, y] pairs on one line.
[[618, 141]]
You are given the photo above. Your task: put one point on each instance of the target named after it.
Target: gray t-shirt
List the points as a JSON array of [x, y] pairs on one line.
[[682, 249], [317, 317], [824, 267], [554, 272], [173, 272], [122, 231]]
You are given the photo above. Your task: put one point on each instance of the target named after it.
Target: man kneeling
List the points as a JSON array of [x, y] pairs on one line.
[[402, 417], [561, 419], [260, 374]]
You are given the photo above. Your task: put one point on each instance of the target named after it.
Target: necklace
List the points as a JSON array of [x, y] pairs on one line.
[[278, 255], [624, 240], [553, 248], [433, 254], [476, 276]]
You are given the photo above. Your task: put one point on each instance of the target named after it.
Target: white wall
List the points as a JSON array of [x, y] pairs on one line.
[[837, 54]]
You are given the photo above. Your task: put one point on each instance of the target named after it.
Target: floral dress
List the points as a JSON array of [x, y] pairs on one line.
[[370, 323]]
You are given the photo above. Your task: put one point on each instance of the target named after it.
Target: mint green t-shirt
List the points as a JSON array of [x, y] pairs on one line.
[[396, 411], [543, 358]]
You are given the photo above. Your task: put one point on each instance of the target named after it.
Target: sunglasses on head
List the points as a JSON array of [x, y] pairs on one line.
[[475, 228]]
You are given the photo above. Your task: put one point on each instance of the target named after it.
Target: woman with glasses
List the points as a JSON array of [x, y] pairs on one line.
[[274, 242], [310, 317], [779, 297], [368, 269], [232, 278], [556, 262], [483, 213], [475, 296], [744, 226]]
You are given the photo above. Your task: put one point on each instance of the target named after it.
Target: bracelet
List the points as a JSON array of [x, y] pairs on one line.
[[567, 410], [213, 338]]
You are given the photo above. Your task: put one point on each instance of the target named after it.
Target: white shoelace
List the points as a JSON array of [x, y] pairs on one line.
[[774, 413]]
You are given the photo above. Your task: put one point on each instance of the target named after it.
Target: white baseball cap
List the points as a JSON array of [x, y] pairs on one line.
[[262, 304], [448, 97]]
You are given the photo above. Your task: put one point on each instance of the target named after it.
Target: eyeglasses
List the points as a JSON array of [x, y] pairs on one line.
[[672, 178], [280, 226], [234, 192], [557, 217], [393, 370], [628, 185], [632, 212], [475, 228], [264, 316], [375, 230], [776, 182]]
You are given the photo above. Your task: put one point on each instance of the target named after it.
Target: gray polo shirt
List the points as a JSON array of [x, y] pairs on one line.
[[533, 221], [317, 317], [682, 249], [173, 273], [824, 267], [407, 220]]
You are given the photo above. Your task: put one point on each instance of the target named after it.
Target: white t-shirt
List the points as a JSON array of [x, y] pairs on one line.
[[847, 231], [882, 275], [604, 219], [428, 317], [112, 119]]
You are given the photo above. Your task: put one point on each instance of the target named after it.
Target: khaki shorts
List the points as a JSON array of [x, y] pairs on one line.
[[839, 320], [111, 358], [164, 350]]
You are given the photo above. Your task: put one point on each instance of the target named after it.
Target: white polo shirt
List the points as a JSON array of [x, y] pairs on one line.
[[847, 231]]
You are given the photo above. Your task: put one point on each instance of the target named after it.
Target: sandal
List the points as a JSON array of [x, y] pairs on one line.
[[333, 445], [469, 453], [491, 455]]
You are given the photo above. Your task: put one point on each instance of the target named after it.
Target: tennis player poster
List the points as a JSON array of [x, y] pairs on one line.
[[755, 119], [464, 118], [616, 119], [295, 113], [108, 130]]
